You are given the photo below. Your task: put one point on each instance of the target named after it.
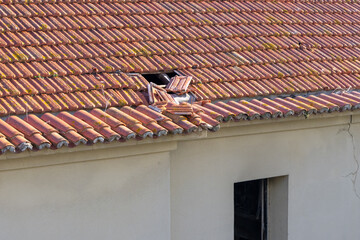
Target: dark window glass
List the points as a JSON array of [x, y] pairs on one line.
[[250, 210]]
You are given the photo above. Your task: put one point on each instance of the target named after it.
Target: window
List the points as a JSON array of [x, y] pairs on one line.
[[250, 202], [261, 209]]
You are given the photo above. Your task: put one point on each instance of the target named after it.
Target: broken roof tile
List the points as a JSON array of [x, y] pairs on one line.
[[179, 84]]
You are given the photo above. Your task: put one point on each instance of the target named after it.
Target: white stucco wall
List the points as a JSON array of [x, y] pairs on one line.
[[322, 202], [181, 188], [118, 198]]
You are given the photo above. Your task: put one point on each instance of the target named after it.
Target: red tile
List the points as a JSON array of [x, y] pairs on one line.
[[297, 108], [264, 112], [308, 108], [226, 115], [343, 104], [11, 103], [130, 122], [82, 127], [318, 106], [65, 129], [182, 122], [5, 145], [252, 114], [238, 113], [115, 124], [274, 111], [179, 84], [48, 131], [212, 114], [29, 131], [16, 137], [160, 118], [100, 126], [146, 121], [285, 111]]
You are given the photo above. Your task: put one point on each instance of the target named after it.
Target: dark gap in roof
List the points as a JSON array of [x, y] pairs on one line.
[[160, 78], [172, 74]]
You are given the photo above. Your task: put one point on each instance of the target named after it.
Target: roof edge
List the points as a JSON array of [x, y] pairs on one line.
[[170, 142]]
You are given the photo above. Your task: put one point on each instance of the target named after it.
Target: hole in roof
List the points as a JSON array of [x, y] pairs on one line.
[[160, 81], [160, 78]]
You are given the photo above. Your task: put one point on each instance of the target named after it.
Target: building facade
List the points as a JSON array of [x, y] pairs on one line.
[[182, 187]]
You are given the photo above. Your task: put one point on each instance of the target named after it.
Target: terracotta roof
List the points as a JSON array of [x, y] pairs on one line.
[[68, 56], [67, 52]]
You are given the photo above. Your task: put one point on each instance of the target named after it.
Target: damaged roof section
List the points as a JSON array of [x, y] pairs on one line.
[[54, 131], [175, 91], [179, 84]]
